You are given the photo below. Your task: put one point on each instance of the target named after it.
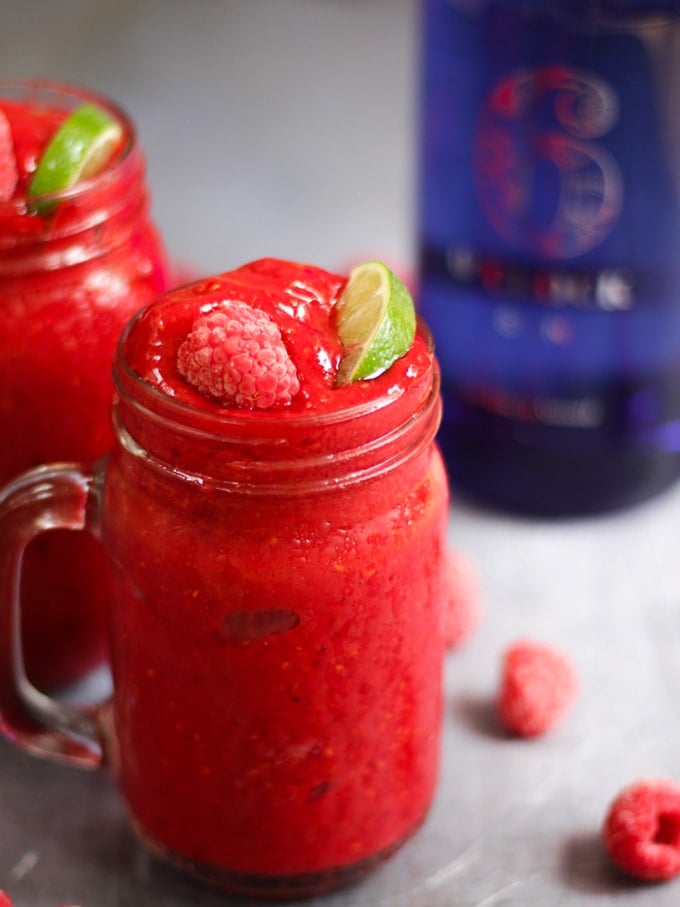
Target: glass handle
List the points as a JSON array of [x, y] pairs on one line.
[[48, 497]]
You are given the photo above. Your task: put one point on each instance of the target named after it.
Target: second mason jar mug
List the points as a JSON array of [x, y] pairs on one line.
[[275, 626], [75, 265]]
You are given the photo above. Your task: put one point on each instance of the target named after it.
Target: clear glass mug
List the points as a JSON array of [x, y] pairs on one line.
[[275, 630], [71, 276]]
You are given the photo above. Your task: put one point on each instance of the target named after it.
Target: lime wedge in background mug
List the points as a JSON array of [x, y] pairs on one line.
[[78, 150], [376, 321]]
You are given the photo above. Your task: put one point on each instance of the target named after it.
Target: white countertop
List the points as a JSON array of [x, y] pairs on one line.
[[285, 128]]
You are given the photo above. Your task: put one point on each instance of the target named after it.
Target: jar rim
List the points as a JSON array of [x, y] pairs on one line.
[[41, 86], [211, 424], [316, 473], [255, 451]]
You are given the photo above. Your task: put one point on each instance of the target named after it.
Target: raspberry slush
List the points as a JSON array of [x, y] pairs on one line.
[[70, 277], [277, 586]]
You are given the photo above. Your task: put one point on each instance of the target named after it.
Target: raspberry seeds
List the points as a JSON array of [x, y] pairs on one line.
[[9, 173], [462, 599], [642, 830], [236, 355], [538, 685]]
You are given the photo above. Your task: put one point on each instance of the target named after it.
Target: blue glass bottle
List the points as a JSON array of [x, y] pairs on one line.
[[549, 259]]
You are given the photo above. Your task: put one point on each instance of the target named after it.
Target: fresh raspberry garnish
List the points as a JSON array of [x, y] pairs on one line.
[[462, 600], [538, 685], [5, 900], [9, 173], [642, 830], [236, 355]]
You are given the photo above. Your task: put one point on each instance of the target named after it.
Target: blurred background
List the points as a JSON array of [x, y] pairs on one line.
[[287, 128], [270, 128]]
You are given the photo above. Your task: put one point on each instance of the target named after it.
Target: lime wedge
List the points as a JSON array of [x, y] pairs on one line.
[[376, 321], [78, 150]]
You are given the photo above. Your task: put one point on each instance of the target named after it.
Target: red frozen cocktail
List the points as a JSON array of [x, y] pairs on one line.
[[73, 269], [277, 588]]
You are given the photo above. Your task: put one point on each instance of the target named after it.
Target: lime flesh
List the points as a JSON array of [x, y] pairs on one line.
[[376, 322], [79, 149]]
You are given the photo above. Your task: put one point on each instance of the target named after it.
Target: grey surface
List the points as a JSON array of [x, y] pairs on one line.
[[285, 127]]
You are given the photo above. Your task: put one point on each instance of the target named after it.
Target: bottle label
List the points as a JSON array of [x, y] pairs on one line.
[[579, 412], [560, 193], [549, 273], [549, 199]]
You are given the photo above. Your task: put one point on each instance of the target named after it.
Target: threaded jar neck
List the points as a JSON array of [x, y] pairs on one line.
[[83, 222], [270, 452]]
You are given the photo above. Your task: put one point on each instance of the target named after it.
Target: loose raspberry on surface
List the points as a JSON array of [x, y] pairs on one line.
[[462, 599], [538, 685], [641, 832], [235, 354], [9, 173]]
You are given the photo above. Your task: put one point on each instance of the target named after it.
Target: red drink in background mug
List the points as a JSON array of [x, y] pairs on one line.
[[74, 266], [276, 593]]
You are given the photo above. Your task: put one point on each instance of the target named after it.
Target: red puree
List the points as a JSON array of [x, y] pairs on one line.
[[69, 280], [277, 598]]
